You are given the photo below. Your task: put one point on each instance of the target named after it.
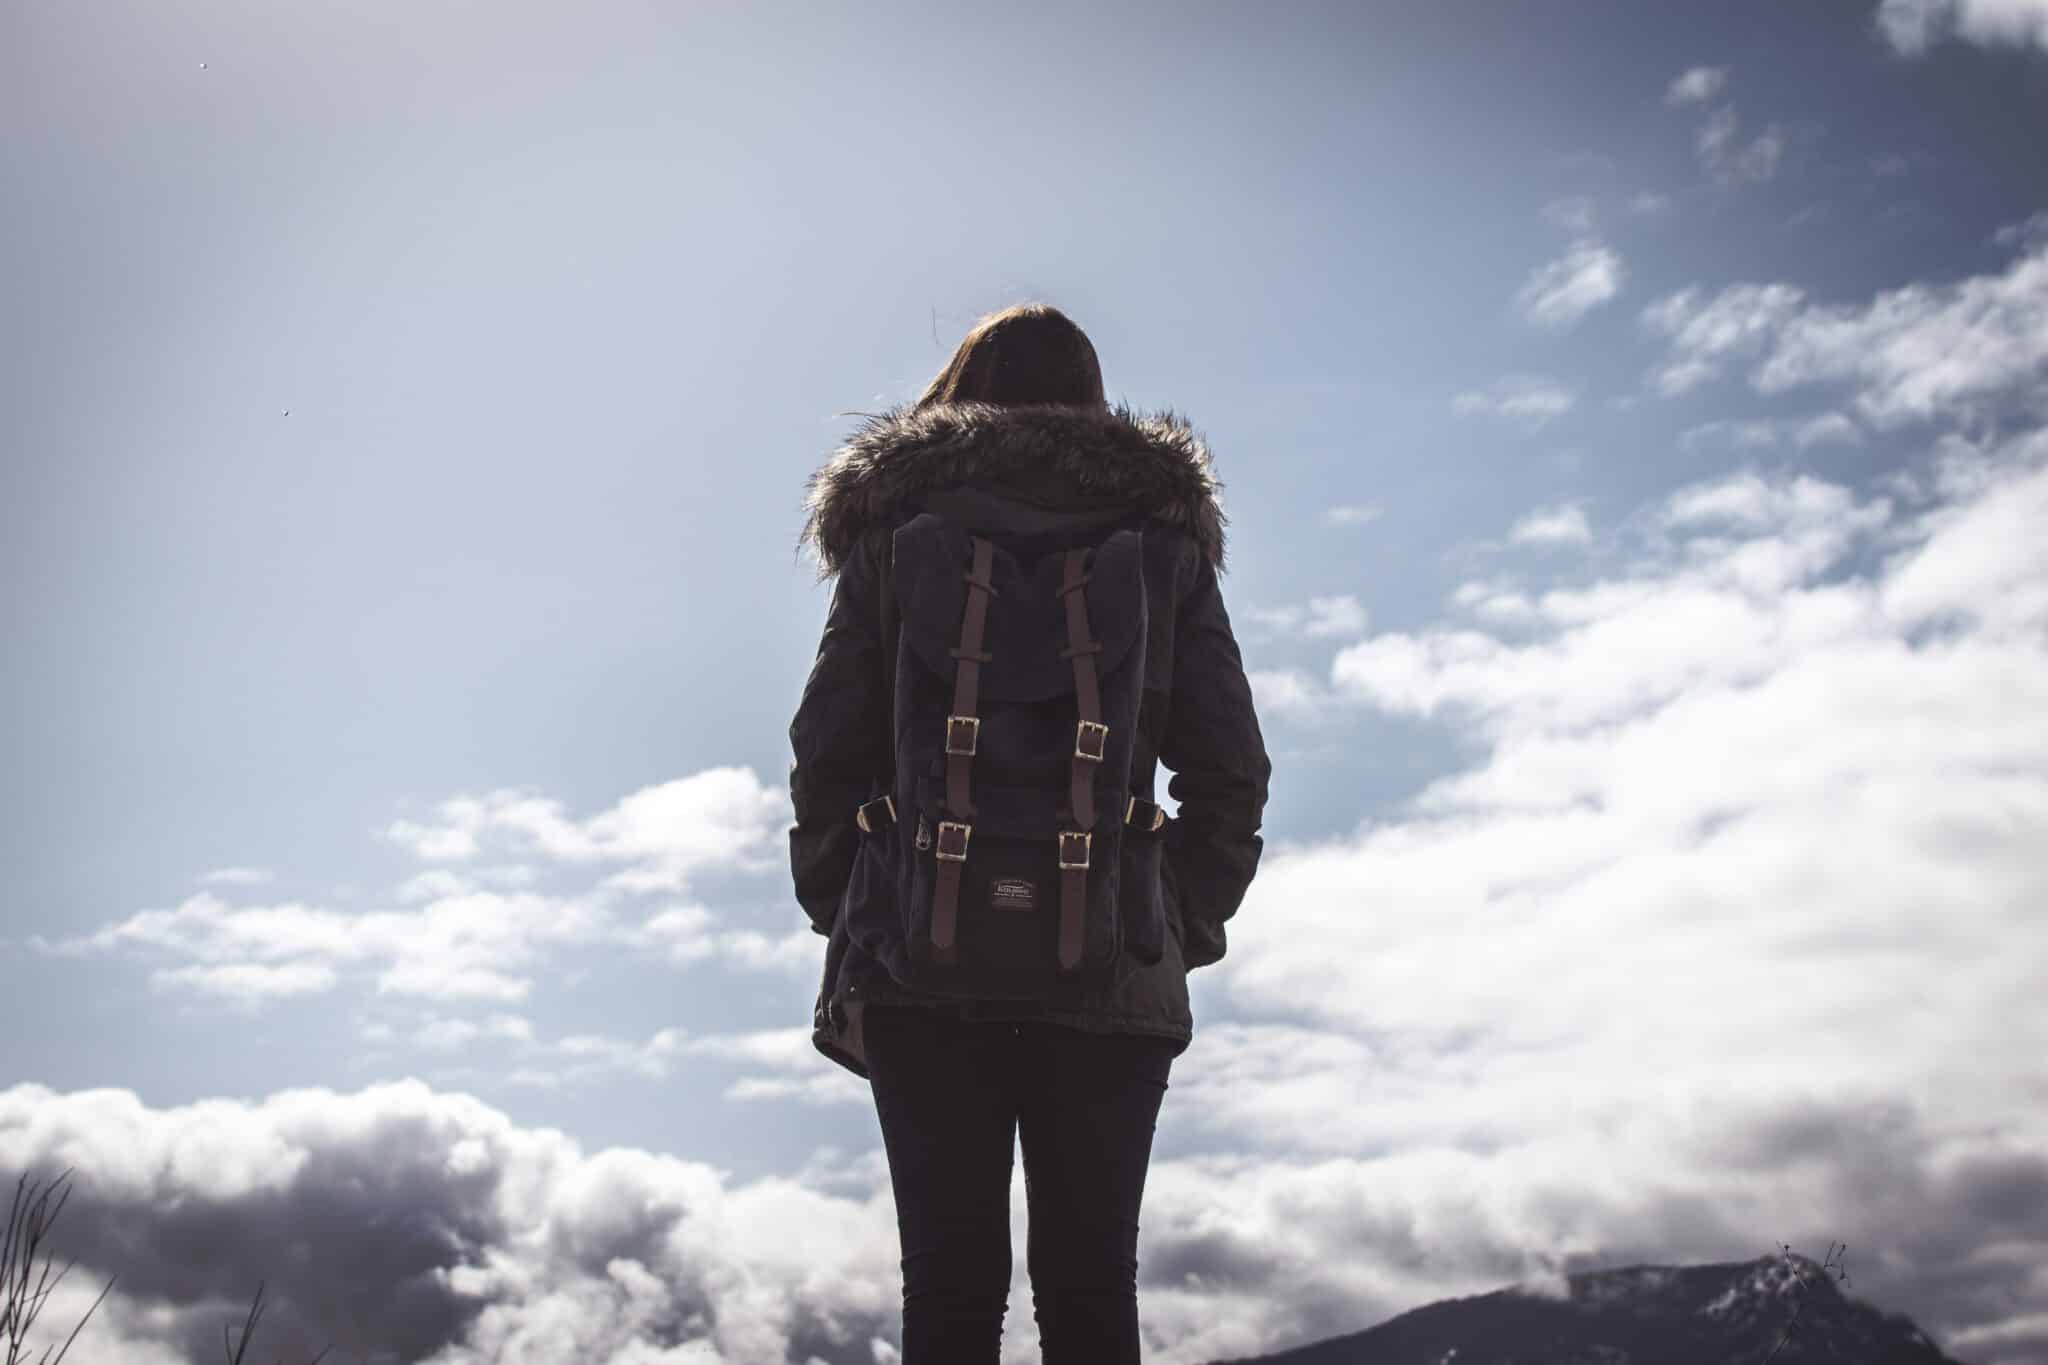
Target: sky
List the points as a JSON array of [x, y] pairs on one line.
[[1633, 425]]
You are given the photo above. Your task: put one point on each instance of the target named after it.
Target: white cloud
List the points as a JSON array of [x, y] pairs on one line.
[[1744, 434], [1565, 290], [435, 883], [445, 843], [1574, 213], [458, 940], [1717, 134], [1531, 399], [446, 1033], [1554, 526], [248, 984], [1288, 693], [721, 817], [236, 876], [1731, 161], [1814, 720], [1790, 758], [1759, 160], [1762, 433], [1921, 351], [477, 1239], [1913, 26], [1647, 202], [2029, 234], [1501, 601], [484, 1240], [1827, 428], [1320, 618], [1699, 84], [1704, 332], [1354, 514], [794, 1067]]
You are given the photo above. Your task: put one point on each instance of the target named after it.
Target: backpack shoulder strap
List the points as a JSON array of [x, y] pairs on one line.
[[963, 732], [892, 623], [1091, 739], [885, 576]]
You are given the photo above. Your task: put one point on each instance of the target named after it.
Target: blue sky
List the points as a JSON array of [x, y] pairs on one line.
[[1632, 429]]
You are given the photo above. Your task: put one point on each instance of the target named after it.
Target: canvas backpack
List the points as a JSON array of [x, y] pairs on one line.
[[1008, 852]]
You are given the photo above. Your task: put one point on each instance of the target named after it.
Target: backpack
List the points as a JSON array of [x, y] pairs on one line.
[[1007, 856]]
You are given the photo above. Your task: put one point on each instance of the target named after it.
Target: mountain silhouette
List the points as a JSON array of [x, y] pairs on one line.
[[1730, 1314]]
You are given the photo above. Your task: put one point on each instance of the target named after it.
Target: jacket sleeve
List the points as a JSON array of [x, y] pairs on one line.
[[841, 738], [1221, 772]]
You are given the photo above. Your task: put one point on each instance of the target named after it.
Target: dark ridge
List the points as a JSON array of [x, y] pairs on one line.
[[1730, 1314]]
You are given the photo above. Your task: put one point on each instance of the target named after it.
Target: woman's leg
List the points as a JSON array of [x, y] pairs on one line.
[[1089, 1107], [945, 1095]]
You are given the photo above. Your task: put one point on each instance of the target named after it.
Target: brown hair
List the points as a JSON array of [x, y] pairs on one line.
[[1029, 353]]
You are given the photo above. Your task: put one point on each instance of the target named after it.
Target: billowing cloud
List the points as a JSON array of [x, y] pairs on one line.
[[2029, 234], [1319, 618], [1912, 353], [662, 834], [1733, 161], [1353, 514], [1745, 770], [1530, 399], [1829, 428], [1697, 85], [1742, 433], [1913, 26], [482, 935], [398, 1224], [1575, 213], [1923, 350], [237, 876], [1565, 290], [1704, 331], [1552, 526], [1501, 601], [1288, 694]]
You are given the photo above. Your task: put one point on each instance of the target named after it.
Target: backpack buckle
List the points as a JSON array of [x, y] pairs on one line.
[[1086, 838], [1152, 821], [971, 726], [945, 852], [860, 814], [1086, 730]]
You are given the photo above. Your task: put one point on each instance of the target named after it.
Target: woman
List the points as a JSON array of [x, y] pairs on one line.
[[1014, 438]]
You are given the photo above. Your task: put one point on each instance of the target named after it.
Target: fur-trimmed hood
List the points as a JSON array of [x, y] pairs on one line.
[[1044, 454]]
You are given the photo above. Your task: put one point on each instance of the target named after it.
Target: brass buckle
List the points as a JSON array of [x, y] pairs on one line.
[[1085, 728], [1087, 838], [941, 853], [1158, 813], [860, 814], [973, 724]]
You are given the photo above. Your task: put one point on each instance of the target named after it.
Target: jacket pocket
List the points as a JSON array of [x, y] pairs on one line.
[[868, 910], [1141, 893], [1202, 943]]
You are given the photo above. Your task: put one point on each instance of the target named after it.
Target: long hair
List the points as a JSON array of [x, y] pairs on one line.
[[1029, 353]]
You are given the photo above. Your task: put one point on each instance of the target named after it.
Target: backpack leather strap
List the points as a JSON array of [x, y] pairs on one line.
[[963, 734], [1091, 741]]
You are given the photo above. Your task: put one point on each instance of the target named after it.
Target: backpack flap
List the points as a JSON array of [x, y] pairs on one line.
[[931, 596]]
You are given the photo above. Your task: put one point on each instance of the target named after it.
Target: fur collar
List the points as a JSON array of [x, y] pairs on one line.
[[1045, 454]]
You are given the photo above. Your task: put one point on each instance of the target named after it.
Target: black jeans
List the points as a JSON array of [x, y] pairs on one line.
[[952, 1097]]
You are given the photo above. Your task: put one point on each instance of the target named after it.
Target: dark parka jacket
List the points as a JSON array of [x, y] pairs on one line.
[[1065, 474]]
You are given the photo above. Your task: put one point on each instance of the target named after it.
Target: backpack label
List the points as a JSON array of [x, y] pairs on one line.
[[1012, 893]]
